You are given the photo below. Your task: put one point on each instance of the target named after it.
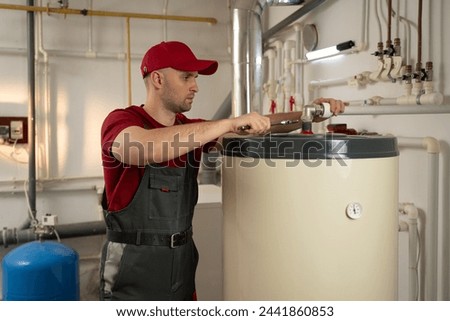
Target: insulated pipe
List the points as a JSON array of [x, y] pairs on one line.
[[31, 111], [97, 13], [431, 145]]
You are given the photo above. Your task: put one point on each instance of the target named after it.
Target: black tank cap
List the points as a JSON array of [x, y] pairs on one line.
[[316, 146]]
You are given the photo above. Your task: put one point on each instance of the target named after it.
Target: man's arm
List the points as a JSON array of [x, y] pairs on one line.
[[138, 146]]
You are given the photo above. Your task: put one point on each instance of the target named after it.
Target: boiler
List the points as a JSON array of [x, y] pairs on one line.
[[310, 217]]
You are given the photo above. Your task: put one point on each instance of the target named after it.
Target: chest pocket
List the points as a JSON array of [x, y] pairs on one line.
[[165, 195]]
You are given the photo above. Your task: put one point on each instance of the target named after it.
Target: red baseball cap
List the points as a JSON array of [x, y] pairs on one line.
[[176, 55]]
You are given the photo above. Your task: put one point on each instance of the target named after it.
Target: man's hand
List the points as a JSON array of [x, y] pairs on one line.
[[336, 106], [252, 123]]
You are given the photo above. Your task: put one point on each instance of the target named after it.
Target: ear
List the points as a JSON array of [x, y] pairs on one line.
[[156, 78]]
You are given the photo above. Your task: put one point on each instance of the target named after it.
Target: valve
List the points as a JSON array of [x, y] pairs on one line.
[[291, 103], [407, 75], [389, 51], [380, 52], [420, 74], [47, 226], [314, 112]]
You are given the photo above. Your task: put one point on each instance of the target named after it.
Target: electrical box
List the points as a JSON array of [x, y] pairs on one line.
[[49, 220], [14, 129]]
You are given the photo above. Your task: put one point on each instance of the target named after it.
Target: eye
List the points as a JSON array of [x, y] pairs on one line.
[[190, 76]]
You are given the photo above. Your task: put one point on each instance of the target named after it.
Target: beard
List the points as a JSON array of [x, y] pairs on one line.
[[175, 104]]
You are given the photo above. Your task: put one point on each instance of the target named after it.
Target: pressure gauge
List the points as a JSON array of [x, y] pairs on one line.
[[354, 210]]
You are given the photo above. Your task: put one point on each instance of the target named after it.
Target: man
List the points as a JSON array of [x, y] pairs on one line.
[[151, 155]]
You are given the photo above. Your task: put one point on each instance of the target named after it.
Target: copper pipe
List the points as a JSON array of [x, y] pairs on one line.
[[419, 34], [129, 60], [389, 21], [86, 12]]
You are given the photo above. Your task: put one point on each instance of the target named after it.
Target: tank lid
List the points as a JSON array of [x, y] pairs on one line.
[[317, 146]]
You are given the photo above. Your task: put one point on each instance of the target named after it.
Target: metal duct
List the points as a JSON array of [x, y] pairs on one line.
[[247, 54]]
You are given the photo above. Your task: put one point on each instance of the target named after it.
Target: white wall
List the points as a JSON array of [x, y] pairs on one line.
[[83, 90]]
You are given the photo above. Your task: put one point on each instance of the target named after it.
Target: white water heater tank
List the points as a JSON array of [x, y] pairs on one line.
[[310, 217]]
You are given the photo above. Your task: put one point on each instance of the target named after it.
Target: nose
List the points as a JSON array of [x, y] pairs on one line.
[[194, 86]]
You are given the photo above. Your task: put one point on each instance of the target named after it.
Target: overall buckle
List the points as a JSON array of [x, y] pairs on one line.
[[177, 239]]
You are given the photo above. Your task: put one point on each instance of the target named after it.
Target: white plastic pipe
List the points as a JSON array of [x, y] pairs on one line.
[[288, 77], [45, 101], [397, 110], [432, 147], [412, 212], [328, 83], [298, 74]]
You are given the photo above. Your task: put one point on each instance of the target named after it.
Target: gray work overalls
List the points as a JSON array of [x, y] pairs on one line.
[[150, 253]]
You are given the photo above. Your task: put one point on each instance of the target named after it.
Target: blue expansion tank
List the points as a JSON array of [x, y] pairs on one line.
[[41, 271]]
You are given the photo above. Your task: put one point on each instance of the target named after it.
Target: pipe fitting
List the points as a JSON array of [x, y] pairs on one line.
[[431, 144], [403, 226], [410, 210]]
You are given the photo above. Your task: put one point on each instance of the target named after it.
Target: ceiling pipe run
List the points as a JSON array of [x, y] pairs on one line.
[[97, 13], [247, 52]]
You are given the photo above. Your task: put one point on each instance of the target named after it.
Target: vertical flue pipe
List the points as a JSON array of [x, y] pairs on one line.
[[31, 111], [247, 53]]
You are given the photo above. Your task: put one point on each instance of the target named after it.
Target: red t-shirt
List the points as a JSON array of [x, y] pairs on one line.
[[122, 180]]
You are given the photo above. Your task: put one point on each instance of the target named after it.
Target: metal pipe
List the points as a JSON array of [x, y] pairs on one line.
[[86, 12], [31, 111], [247, 61], [13, 236]]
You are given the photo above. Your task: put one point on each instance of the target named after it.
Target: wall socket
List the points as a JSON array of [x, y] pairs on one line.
[[18, 129]]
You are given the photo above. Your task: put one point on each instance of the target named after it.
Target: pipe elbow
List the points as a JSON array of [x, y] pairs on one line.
[[431, 144], [434, 98], [411, 211]]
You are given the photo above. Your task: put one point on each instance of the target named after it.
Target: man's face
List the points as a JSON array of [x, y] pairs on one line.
[[178, 90]]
